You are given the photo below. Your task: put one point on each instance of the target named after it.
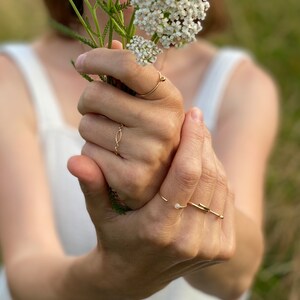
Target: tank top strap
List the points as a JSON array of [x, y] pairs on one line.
[[215, 82], [47, 110]]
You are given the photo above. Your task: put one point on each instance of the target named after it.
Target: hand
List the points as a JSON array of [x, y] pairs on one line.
[[158, 243], [152, 124]]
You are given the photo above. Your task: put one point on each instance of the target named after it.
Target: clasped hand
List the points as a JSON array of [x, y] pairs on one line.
[[164, 155]]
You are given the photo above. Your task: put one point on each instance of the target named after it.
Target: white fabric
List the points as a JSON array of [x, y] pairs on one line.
[[59, 141], [215, 82]]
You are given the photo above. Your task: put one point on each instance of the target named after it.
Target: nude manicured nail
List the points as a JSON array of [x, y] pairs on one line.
[[79, 61], [196, 115]]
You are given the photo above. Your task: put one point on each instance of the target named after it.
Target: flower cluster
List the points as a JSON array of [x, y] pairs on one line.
[[174, 22], [170, 23], [145, 50]]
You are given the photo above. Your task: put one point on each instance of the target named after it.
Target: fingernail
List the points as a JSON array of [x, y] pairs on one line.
[[196, 115], [79, 61]]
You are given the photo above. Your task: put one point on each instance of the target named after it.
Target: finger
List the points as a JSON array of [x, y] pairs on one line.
[[121, 64], [228, 225], [120, 175], [104, 99], [208, 180], [116, 44], [184, 174], [105, 133], [220, 193], [93, 185]]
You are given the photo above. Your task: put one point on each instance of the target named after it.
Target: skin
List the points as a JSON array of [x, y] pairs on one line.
[[236, 153]]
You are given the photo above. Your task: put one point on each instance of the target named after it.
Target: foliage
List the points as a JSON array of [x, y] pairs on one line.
[[270, 30]]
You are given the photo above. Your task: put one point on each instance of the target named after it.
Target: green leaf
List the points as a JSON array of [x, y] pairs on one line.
[[85, 76], [70, 33]]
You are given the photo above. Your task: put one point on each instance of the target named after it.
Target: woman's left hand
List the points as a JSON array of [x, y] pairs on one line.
[[144, 131]]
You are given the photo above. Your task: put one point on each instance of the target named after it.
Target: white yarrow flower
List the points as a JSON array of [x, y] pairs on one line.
[[174, 22], [145, 51]]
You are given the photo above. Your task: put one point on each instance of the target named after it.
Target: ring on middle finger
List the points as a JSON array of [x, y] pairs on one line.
[[205, 209], [118, 138]]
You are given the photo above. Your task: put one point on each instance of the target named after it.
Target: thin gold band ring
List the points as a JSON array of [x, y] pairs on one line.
[[160, 79], [118, 138]]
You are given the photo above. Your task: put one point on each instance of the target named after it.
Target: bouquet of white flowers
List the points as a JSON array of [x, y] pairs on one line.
[[168, 23]]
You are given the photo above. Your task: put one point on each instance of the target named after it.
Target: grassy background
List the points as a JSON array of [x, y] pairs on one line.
[[270, 30]]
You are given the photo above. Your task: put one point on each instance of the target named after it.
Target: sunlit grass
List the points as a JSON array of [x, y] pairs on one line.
[[270, 30], [22, 19]]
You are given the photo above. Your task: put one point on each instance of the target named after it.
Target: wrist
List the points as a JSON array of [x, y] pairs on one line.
[[87, 277]]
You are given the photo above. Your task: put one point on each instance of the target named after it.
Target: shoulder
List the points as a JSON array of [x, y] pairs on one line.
[[14, 95], [251, 98]]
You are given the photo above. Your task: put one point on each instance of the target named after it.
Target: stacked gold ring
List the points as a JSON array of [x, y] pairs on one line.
[[200, 206]]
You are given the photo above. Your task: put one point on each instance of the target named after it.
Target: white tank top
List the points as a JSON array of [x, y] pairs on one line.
[[59, 142]]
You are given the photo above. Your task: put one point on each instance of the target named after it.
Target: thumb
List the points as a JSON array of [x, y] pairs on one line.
[[116, 45], [92, 183]]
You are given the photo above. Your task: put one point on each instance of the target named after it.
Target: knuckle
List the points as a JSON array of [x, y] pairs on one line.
[[169, 128], [219, 248], [153, 156], [133, 183], [143, 116], [184, 251], [187, 175], [87, 149], [210, 249], [88, 98], [228, 250], [222, 186], [209, 175], [176, 100], [84, 126], [128, 66]]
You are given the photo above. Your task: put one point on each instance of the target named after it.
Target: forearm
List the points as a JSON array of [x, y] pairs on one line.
[[49, 277], [45, 276], [231, 279]]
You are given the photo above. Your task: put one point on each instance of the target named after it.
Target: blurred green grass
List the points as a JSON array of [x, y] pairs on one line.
[[270, 30]]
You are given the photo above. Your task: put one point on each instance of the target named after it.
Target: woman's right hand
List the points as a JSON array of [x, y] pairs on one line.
[[141, 252], [132, 138]]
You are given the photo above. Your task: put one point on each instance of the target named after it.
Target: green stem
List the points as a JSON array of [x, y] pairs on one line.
[[110, 33], [95, 19], [119, 29], [155, 38], [83, 22], [131, 27], [120, 19]]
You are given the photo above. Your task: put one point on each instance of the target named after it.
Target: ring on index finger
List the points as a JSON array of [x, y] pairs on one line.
[[176, 205], [160, 79]]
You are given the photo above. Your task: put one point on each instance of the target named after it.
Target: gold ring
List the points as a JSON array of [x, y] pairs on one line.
[[216, 214], [118, 138], [205, 209], [201, 207], [160, 79], [162, 197], [177, 205]]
